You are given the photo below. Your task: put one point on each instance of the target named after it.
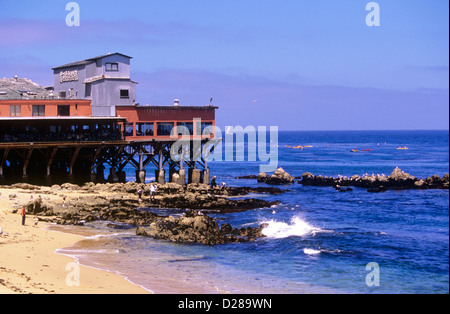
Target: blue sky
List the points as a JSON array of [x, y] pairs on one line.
[[300, 65]]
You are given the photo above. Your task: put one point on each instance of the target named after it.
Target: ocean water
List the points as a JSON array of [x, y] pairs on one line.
[[318, 240]]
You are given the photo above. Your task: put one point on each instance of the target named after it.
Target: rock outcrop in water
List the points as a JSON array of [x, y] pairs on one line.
[[279, 177], [195, 228], [378, 183]]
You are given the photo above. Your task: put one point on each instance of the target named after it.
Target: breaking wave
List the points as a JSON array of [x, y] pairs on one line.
[[297, 227]]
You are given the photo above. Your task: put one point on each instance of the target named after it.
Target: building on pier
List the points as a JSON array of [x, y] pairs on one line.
[[105, 80], [89, 121]]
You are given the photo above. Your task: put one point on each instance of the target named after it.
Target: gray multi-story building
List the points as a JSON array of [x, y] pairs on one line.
[[105, 80]]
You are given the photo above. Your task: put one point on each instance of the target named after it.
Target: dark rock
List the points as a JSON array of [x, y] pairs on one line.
[[38, 207], [242, 191], [114, 226], [26, 186], [398, 174], [279, 177], [210, 202], [226, 228], [377, 189], [252, 176], [262, 177], [197, 228]]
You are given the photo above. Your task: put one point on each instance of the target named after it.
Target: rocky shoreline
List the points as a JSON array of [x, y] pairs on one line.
[[121, 205]]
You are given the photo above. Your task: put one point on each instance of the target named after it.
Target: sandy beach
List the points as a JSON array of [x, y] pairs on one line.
[[29, 263]]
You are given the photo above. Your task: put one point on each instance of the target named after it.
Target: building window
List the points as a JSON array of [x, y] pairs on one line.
[[144, 129], [188, 125], [164, 128], [63, 110], [207, 128], [124, 93], [38, 110], [204, 128], [112, 67], [62, 94], [88, 90], [15, 110], [128, 129]]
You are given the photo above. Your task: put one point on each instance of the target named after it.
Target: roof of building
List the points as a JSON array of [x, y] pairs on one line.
[[90, 60], [22, 88], [206, 107], [109, 54], [58, 118]]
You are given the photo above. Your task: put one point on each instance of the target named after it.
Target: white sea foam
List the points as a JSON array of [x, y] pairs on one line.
[[311, 251], [296, 228], [83, 251], [98, 236]]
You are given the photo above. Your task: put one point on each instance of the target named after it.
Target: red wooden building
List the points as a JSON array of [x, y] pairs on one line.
[[157, 122]]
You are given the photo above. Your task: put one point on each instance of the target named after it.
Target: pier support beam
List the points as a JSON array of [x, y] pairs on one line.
[[160, 176], [182, 177], [140, 173], [113, 177], [160, 173], [48, 176], [2, 163], [72, 163], [140, 176], [195, 175], [206, 176], [25, 164], [94, 177]]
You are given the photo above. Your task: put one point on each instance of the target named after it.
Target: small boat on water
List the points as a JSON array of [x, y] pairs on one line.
[[402, 148], [298, 147], [367, 150], [308, 146], [354, 150]]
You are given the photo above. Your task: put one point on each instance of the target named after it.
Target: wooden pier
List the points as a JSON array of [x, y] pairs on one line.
[[80, 149], [87, 161]]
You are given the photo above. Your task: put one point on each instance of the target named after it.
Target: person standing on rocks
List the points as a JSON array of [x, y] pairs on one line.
[[213, 182], [23, 212], [152, 192]]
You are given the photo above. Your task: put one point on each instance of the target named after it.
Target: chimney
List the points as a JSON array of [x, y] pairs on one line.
[[176, 102]]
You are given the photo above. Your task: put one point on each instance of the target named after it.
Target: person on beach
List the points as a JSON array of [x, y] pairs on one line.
[[23, 212], [213, 182], [140, 195], [152, 192]]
